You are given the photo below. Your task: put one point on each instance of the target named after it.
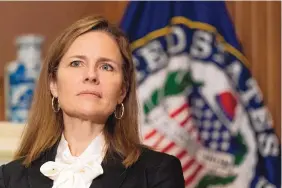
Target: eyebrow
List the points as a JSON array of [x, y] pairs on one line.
[[79, 57], [100, 59]]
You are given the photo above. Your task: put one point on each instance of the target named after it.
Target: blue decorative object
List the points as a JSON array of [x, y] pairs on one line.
[[21, 76]]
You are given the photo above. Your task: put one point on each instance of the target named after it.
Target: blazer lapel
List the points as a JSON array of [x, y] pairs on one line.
[[114, 174], [35, 177]]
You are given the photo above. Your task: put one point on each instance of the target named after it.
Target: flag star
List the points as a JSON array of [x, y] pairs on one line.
[[215, 135], [208, 113], [217, 125], [226, 135], [224, 146], [213, 145], [205, 135], [206, 124]]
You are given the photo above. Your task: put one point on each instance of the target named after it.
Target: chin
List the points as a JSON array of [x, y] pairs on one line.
[[89, 113], [97, 118], [84, 113]]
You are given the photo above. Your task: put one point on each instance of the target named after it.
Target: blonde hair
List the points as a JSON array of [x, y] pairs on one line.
[[44, 127]]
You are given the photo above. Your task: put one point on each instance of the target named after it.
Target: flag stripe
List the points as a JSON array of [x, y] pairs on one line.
[[188, 164], [174, 150], [150, 134], [185, 120], [187, 173], [159, 140], [181, 154], [177, 111], [165, 141], [189, 124], [152, 140], [192, 128], [168, 147], [192, 177]]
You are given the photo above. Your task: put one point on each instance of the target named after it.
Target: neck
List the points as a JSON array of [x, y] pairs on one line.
[[80, 133]]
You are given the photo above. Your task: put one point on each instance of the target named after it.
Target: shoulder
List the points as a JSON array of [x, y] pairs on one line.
[[15, 163], [154, 159], [161, 169], [14, 168]]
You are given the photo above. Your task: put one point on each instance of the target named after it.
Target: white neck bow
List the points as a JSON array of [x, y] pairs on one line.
[[75, 172]]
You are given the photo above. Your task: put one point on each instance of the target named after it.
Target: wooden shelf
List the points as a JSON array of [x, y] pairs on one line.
[[10, 134]]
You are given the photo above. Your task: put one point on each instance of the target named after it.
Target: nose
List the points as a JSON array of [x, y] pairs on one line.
[[91, 76]]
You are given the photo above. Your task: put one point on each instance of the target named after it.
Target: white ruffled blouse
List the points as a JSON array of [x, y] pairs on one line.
[[75, 172]]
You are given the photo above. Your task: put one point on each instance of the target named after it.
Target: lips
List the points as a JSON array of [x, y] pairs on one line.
[[87, 92]]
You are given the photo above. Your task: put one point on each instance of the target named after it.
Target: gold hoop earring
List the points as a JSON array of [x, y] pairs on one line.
[[53, 105], [122, 111]]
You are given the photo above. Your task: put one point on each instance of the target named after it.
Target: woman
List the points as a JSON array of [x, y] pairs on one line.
[[83, 126]]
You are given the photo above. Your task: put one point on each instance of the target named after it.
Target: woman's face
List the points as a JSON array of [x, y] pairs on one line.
[[89, 81]]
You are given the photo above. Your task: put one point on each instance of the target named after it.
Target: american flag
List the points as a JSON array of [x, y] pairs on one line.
[[202, 126]]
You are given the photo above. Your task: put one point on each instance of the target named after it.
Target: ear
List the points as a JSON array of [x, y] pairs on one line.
[[122, 94], [54, 88]]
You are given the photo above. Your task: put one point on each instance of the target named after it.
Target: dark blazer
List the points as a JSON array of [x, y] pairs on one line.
[[152, 170]]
